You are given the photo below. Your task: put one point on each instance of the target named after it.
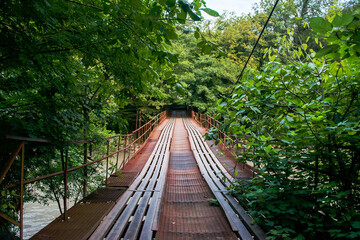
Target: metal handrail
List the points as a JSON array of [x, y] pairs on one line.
[[208, 122], [140, 137]]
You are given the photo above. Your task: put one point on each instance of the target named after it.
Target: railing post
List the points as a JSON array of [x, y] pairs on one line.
[[107, 162], [141, 136], [117, 155], [224, 138], [85, 170], [134, 142], [65, 182], [148, 131], [22, 191], [125, 149]]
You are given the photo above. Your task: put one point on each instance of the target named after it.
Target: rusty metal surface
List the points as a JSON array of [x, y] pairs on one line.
[[188, 186], [124, 180], [182, 160], [185, 211], [104, 195], [82, 220]]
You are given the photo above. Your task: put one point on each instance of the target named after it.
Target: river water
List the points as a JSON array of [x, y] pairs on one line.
[[37, 216]]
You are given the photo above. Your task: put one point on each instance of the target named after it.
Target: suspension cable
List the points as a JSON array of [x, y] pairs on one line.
[[252, 51]]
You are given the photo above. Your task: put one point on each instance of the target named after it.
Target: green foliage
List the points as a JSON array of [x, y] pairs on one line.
[[320, 25], [68, 71], [300, 125], [213, 201], [202, 74], [210, 12]]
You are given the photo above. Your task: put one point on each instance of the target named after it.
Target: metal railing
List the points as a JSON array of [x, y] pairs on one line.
[[227, 143], [126, 144]]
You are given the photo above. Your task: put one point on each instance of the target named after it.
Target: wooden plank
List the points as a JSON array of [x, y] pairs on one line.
[[206, 150], [217, 188], [154, 208], [119, 226], [234, 220], [134, 227], [109, 220], [9, 219], [256, 230], [210, 158]]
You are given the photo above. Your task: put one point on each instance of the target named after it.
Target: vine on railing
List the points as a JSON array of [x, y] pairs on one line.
[[126, 145]]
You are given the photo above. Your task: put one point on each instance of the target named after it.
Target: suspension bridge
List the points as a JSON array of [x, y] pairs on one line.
[[172, 184]]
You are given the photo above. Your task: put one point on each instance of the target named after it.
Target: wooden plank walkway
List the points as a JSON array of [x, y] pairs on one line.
[[185, 210], [126, 220], [164, 195], [219, 180]]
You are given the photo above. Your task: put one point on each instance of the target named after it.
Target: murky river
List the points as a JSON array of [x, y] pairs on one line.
[[37, 216]]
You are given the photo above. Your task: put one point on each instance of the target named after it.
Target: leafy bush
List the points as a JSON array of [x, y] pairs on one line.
[[299, 121]]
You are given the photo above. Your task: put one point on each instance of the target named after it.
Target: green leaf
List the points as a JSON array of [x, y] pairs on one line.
[[346, 19], [186, 8], [197, 35], [343, 20], [180, 89], [326, 50], [211, 12], [337, 21], [213, 201], [206, 49], [354, 25], [320, 25], [299, 237], [356, 224], [201, 44], [170, 3], [223, 104], [170, 34], [194, 16], [181, 16], [222, 53], [156, 11], [172, 57]]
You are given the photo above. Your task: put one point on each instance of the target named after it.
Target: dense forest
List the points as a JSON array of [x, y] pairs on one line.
[[80, 70]]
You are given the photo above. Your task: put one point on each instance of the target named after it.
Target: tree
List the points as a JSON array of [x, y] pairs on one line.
[[203, 74], [67, 67], [300, 125]]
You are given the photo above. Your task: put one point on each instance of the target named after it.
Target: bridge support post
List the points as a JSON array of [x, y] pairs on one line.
[[107, 162], [65, 182], [117, 155], [125, 149], [22, 191]]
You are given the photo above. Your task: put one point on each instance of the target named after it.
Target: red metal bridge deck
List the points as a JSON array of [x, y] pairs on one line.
[[163, 194]]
